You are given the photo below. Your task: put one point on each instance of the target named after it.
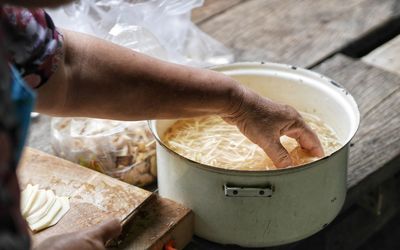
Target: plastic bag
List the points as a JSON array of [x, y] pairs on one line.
[[160, 28], [125, 150]]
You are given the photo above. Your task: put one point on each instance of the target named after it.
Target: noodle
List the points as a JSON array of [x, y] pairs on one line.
[[211, 141]]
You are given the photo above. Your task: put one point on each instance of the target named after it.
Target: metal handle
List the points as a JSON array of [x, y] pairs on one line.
[[237, 191]]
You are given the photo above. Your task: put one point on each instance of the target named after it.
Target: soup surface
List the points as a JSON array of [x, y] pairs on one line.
[[211, 141]]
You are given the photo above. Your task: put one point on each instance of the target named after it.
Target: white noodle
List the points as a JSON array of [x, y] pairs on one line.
[[211, 141]]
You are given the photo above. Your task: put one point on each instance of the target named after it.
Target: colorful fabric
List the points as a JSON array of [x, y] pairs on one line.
[[32, 43], [13, 234], [30, 47]]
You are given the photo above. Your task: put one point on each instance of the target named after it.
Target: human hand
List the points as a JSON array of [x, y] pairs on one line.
[[264, 122], [93, 238]]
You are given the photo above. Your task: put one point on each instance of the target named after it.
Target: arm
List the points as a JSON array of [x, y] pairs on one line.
[[13, 233], [100, 79]]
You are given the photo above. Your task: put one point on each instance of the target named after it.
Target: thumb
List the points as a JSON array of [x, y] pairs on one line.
[[107, 230], [278, 154]]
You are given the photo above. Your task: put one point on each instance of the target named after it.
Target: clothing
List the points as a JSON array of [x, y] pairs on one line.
[[13, 229], [32, 43], [30, 47]]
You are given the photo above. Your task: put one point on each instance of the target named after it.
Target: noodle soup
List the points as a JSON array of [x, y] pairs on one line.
[[211, 141]]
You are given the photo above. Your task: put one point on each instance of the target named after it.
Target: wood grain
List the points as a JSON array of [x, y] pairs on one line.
[[159, 221], [366, 83], [211, 8], [377, 93], [296, 32], [356, 225], [94, 197], [386, 57], [377, 142]]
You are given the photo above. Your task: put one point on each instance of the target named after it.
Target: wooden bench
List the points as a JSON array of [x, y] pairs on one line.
[[313, 34], [319, 35]]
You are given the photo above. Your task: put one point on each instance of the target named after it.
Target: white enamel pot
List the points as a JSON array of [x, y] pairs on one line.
[[266, 208]]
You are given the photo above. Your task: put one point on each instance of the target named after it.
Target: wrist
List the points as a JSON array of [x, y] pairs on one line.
[[235, 102], [225, 95]]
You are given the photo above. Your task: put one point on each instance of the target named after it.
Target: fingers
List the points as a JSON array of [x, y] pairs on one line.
[[107, 230], [307, 139], [300, 131], [278, 154]]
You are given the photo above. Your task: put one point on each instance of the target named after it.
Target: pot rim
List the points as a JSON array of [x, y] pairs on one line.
[[318, 162]]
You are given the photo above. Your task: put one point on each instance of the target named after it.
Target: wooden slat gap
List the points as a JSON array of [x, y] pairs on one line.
[[324, 59], [371, 181], [373, 39]]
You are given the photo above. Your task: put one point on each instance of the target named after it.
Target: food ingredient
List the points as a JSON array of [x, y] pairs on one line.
[[125, 150], [42, 208], [211, 141]]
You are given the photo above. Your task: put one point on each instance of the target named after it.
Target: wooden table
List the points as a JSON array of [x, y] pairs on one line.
[[351, 41]]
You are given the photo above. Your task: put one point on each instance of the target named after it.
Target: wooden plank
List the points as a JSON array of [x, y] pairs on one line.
[[362, 224], [368, 85], [372, 181], [156, 223], [211, 8], [94, 197], [296, 32], [348, 231], [377, 93], [377, 141], [387, 238], [357, 224], [386, 56]]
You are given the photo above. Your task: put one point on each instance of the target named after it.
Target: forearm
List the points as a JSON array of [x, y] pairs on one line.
[[99, 79]]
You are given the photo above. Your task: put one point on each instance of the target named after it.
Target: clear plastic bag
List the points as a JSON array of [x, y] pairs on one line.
[[125, 150], [160, 28]]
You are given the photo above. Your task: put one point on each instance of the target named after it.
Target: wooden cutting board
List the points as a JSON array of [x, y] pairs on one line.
[[156, 223], [94, 197]]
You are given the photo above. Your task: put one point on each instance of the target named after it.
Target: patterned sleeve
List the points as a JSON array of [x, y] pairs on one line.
[[33, 43]]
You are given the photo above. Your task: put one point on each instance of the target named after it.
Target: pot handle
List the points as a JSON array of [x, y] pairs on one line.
[[240, 191]]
